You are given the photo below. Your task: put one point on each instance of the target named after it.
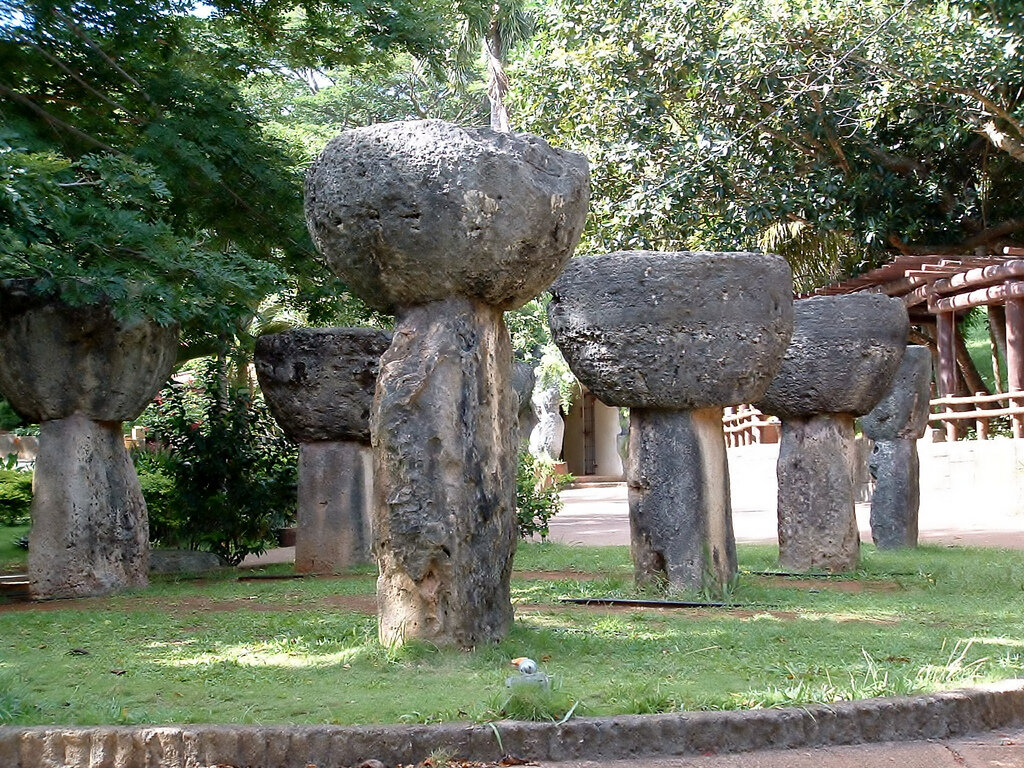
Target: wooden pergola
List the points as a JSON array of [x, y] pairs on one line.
[[935, 290]]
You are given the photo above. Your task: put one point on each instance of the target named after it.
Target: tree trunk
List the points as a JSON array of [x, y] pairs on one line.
[[972, 378], [497, 80]]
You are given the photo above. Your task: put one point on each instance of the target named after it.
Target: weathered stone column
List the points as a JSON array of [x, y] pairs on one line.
[[896, 424], [319, 384], [843, 356], [446, 228], [80, 373], [675, 337]]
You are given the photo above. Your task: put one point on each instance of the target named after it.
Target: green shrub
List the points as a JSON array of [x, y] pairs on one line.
[[537, 499], [15, 496], [223, 477]]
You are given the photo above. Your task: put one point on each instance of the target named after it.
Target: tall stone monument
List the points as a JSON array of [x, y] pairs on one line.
[[79, 372], [843, 356], [675, 337], [895, 425], [446, 228], [319, 384]]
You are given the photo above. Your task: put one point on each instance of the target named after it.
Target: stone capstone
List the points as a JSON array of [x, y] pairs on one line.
[[679, 508], [319, 382], [444, 438], [673, 330], [90, 531], [413, 212], [843, 356], [57, 360], [903, 412], [817, 521]]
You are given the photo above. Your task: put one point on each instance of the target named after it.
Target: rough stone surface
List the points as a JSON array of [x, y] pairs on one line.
[[673, 330], [57, 360], [934, 716], [903, 411], [843, 356], [183, 561], [679, 509], [523, 380], [897, 497], [319, 382], [443, 430], [548, 433], [90, 531], [413, 212], [817, 521], [335, 497]]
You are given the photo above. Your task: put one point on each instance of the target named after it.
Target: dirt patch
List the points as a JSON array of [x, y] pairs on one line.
[[854, 586], [564, 576], [366, 604]]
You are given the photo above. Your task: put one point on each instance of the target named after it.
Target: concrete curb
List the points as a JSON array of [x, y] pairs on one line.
[[935, 716]]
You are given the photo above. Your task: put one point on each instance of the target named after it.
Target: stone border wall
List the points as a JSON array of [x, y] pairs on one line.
[[935, 716]]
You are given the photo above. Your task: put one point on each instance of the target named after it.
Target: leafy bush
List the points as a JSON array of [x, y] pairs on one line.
[[223, 476], [537, 500], [15, 496]]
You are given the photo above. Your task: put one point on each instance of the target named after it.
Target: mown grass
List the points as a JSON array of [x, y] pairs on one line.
[[289, 651], [12, 557]]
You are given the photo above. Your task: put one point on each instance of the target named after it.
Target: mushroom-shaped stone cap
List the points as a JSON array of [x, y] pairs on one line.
[[843, 356], [57, 360], [903, 412], [413, 212], [673, 330], [319, 382]]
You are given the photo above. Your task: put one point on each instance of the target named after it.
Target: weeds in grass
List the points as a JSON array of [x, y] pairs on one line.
[[535, 702], [12, 699]]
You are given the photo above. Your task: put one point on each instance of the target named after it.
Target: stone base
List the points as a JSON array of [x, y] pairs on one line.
[[679, 510], [817, 521], [897, 497], [444, 436], [90, 532], [335, 495]]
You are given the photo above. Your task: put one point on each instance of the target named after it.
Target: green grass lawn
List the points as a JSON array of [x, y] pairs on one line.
[[304, 650]]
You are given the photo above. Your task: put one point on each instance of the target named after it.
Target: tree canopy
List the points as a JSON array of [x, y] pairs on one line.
[[843, 131], [132, 169]]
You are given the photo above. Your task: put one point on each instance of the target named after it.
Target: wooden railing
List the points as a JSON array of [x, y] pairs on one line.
[[744, 425], [955, 412]]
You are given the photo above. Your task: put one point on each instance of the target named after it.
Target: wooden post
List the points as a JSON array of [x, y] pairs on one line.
[[1015, 356], [981, 423], [945, 332]]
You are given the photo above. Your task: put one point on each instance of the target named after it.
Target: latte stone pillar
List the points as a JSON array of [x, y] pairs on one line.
[[319, 385], [79, 372], [842, 359], [675, 337], [895, 425], [446, 228]]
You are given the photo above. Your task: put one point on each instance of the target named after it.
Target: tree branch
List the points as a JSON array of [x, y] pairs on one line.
[[56, 121]]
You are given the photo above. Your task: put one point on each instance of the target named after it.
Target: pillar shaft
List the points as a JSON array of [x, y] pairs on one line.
[[897, 496], [817, 520], [90, 531], [333, 518], [443, 431], [679, 508]]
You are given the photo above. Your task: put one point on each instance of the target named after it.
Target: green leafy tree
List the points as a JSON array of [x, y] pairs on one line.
[[840, 132]]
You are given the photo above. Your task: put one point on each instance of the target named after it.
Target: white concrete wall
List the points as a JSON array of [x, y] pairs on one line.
[[978, 477]]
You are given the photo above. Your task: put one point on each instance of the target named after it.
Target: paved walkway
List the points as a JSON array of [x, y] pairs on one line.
[[599, 514], [1001, 749]]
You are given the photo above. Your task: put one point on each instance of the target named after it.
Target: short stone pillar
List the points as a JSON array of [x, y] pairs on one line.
[[675, 337], [79, 372], [843, 356], [895, 425], [447, 228], [548, 433], [523, 381], [319, 385]]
